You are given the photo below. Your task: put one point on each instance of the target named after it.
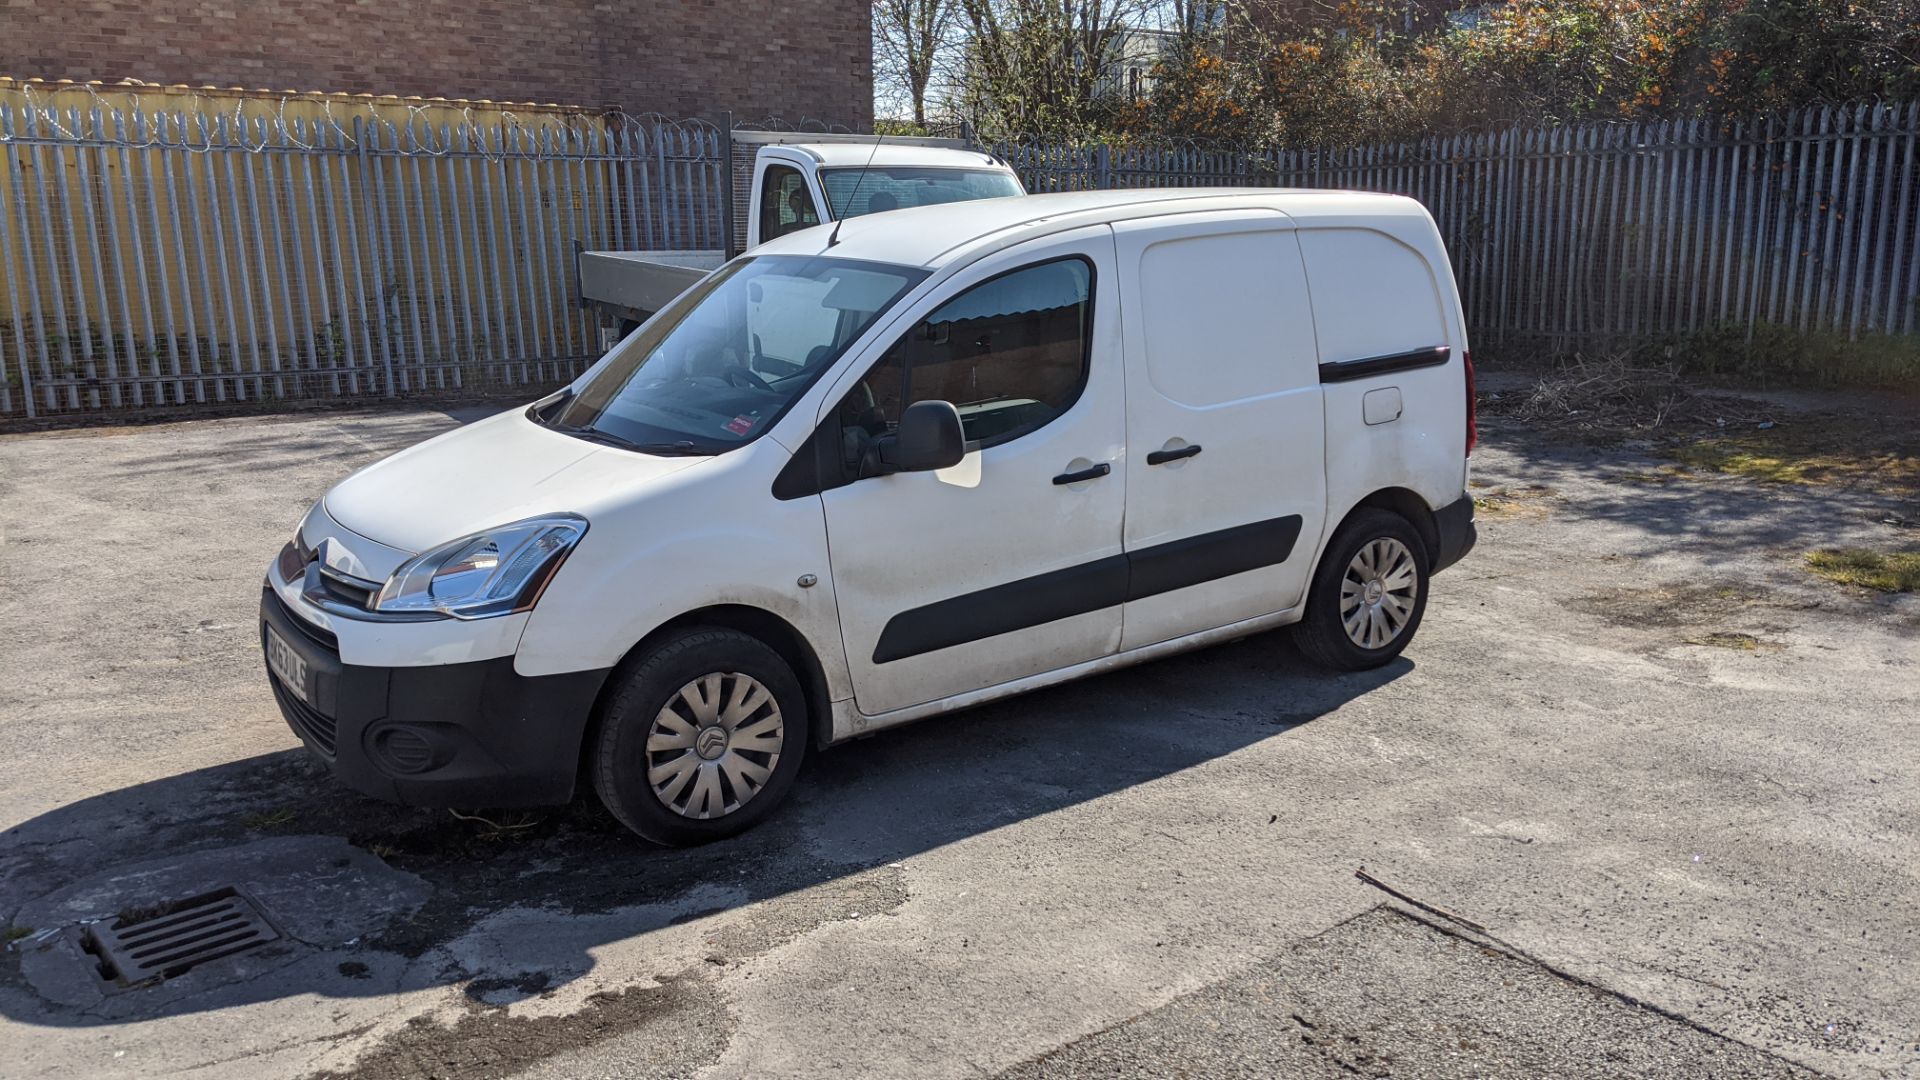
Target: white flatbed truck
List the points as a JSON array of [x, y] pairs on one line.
[[793, 181]]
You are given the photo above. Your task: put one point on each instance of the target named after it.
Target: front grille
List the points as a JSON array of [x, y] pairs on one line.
[[318, 635], [316, 727], [346, 590]]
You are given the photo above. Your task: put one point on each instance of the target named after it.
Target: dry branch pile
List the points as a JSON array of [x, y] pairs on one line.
[[1611, 393]]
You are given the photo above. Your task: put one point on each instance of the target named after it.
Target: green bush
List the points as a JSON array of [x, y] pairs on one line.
[[1783, 356]]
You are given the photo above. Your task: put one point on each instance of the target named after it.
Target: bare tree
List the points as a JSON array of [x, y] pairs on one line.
[[1044, 66], [1192, 18], [910, 41]]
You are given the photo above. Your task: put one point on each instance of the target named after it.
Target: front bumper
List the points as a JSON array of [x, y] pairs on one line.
[[463, 734]]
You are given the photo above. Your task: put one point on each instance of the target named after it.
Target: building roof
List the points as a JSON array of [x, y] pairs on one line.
[[933, 235]]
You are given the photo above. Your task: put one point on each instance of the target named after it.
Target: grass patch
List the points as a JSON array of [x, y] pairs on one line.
[[1654, 398], [1663, 475], [1512, 504], [15, 933], [1874, 454], [1887, 571], [1781, 356], [269, 819], [1780, 461]]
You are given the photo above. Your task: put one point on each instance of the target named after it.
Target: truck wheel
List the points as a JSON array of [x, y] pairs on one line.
[[1367, 595], [701, 738]]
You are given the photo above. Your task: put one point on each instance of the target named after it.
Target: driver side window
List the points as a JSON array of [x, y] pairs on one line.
[[1011, 353], [785, 204]]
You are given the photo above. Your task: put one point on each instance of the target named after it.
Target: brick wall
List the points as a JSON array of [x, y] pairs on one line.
[[797, 59]]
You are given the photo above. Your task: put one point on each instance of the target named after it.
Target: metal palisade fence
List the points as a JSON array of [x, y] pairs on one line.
[[164, 250], [169, 250], [1808, 220]]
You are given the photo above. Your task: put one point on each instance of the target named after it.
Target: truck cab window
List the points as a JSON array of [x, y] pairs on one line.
[[1011, 353], [852, 192], [785, 204]]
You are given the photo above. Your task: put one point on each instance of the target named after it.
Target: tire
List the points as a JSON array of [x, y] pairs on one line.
[[658, 727], [1385, 537]]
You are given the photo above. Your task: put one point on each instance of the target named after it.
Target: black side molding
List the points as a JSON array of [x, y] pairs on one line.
[[1002, 609], [1195, 560], [1347, 370], [1089, 586]]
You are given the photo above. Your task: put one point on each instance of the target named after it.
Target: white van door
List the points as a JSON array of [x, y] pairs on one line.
[[1226, 486], [1009, 564]]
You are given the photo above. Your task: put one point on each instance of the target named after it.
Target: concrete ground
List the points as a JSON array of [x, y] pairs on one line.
[[1649, 795]]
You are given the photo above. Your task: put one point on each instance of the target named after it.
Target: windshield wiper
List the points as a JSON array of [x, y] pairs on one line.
[[681, 448], [678, 448]]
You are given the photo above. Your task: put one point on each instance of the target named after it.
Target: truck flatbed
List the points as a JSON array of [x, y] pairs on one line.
[[635, 284], [787, 184]]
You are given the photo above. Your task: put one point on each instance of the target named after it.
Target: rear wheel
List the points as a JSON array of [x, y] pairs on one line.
[[1368, 593], [701, 739]]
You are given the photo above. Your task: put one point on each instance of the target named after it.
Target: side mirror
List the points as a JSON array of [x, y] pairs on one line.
[[930, 437]]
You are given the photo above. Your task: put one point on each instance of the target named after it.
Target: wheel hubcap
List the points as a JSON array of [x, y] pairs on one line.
[[714, 745], [1378, 592]]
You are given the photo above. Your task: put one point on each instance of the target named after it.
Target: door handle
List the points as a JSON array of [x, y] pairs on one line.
[[1161, 457], [1092, 473]]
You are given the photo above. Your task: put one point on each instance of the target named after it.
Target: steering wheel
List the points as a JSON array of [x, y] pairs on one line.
[[744, 376]]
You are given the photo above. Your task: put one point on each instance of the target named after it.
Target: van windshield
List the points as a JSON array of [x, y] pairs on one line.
[[856, 191], [720, 364]]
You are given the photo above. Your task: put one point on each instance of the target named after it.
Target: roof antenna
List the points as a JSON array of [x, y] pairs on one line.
[[834, 236]]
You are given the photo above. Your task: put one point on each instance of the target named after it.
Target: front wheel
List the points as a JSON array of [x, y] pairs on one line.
[[1368, 593], [701, 739]]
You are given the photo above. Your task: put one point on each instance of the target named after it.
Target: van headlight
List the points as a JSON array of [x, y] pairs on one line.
[[496, 572]]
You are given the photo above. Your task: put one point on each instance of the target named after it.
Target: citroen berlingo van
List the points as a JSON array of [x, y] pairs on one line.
[[879, 471]]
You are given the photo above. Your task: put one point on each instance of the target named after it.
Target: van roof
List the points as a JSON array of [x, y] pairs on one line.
[[930, 236]]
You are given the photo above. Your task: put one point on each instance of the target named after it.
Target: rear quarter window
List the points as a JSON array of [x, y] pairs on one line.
[[1372, 295]]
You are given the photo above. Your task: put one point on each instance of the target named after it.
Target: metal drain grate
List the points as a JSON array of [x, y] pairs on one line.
[[177, 937]]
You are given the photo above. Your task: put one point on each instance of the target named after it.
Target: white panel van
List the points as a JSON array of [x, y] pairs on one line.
[[1027, 440]]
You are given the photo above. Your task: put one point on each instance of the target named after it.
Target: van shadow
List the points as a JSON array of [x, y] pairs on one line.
[[571, 880]]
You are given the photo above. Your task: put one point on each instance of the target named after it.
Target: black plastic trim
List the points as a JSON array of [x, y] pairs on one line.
[[1002, 609], [498, 738], [1089, 586], [1348, 370], [1454, 523], [816, 466], [1195, 560]]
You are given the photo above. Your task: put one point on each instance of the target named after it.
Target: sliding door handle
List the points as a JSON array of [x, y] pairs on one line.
[[1161, 457], [1092, 473]]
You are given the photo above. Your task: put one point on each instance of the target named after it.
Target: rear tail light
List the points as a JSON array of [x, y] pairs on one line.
[[1473, 425]]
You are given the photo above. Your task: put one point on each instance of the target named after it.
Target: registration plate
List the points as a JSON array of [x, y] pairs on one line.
[[290, 666]]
